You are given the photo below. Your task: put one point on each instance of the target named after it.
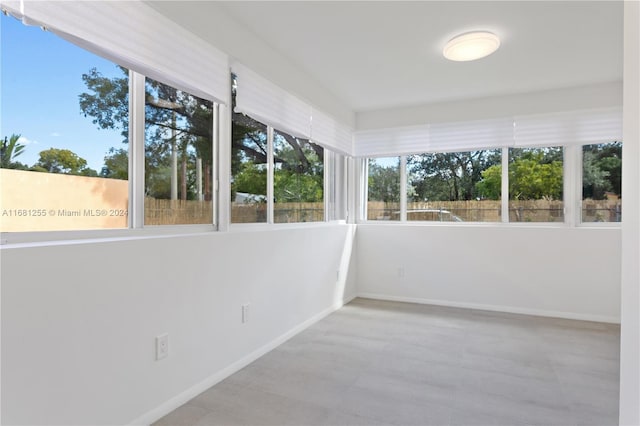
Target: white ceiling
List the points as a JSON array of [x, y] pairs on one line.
[[387, 54]]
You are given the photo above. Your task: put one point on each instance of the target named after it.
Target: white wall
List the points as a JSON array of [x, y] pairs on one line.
[[566, 272], [630, 330], [79, 319], [595, 96]]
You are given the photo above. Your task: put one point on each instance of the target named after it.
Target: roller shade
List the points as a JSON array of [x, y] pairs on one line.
[[134, 35], [330, 133], [471, 135], [391, 142], [264, 101], [578, 127], [569, 128]]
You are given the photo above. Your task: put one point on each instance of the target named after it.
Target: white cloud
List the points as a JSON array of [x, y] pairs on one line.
[[25, 141], [55, 134]]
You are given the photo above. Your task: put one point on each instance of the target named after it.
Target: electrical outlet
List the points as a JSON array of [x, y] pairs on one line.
[[245, 313], [162, 346]]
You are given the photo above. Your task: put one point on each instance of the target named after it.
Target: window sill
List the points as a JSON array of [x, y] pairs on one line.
[[535, 225], [51, 238]]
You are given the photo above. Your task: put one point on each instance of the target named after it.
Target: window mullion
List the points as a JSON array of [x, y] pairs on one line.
[[136, 149], [504, 197], [358, 191], [328, 171], [222, 178], [572, 178], [270, 174], [215, 142], [403, 188]]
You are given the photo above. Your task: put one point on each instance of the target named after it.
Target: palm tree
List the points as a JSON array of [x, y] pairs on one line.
[[9, 150]]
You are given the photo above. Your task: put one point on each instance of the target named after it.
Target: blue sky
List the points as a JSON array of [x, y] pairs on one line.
[[41, 79]]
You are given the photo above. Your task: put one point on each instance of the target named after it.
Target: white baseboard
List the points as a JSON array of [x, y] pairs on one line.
[[180, 399], [494, 308]]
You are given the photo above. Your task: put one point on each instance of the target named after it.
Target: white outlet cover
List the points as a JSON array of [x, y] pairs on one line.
[[245, 313], [162, 346]]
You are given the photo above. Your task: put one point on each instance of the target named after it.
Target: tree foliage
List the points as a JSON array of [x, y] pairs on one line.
[[116, 164], [10, 149], [298, 174], [55, 160], [178, 121], [533, 174], [602, 170], [384, 182], [448, 176], [107, 101]]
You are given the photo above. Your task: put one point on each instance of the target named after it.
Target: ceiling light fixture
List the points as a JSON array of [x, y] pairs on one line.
[[471, 46]]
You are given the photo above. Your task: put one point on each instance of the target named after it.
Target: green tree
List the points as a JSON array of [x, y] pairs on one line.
[[10, 149], [298, 175], [533, 174], [251, 179], [177, 119], [448, 176], [296, 159], [490, 186], [384, 183], [173, 120], [55, 160], [602, 170], [116, 164], [107, 101]]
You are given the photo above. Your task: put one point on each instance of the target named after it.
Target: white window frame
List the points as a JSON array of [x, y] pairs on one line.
[[135, 223], [333, 182], [578, 193], [572, 195]]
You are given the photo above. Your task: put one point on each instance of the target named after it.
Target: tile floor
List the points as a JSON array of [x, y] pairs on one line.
[[391, 363]]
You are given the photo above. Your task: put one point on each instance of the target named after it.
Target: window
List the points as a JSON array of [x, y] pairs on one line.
[[536, 184], [298, 181], [69, 168], [248, 170], [178, 157], [602, 182], [249, 160], [454, 187], [383, 189], [64, 146], [293, 188]]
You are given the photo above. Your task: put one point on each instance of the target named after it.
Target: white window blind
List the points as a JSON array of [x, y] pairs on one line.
[[270, 104], [471, 135], [553, 129], [391, 142], [137, 37], [330, 133], [569, 128]]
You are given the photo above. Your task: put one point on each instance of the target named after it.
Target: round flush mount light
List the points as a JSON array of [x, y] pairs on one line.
[[471, 46]]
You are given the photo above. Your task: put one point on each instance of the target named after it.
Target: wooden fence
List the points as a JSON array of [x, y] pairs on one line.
[[183, 212], [491, 210], [168, 212], [282, 212]]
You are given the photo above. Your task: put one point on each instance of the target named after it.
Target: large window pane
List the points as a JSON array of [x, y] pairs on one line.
[[298, 180], [64, 142], [383, 193], [248, 170], [248, 167], [454, 187], [178, 157], [536, 184], [602, 182]]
